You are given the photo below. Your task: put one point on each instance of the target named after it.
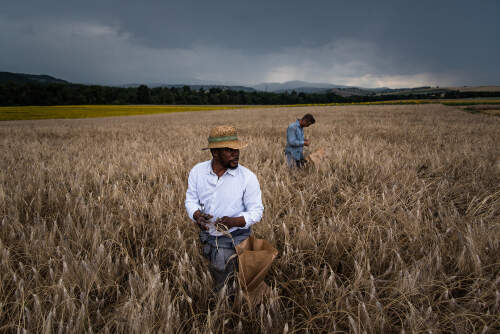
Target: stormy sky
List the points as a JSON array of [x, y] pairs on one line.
[[394, 43]]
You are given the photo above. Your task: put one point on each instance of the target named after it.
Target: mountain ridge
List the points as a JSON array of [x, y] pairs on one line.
[[293, 85], [272, 87], [7, 77]]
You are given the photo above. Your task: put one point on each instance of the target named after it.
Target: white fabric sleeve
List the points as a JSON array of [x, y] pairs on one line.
[[192, 201], [252, 200]]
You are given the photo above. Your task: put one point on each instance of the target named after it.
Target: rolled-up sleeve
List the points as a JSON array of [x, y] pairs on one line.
[[192, 201], [293, 138], [252, 201]]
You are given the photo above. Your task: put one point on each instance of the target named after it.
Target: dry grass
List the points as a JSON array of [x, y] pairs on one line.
[[492, 110], [399, 232]]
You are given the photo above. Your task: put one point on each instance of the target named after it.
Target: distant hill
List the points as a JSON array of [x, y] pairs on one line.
[[284, 87], [223, 87], [384, 91], [353, 91], [22, 78], [476, 88], [298, 86], [321, 88], [193, 87], [316, 90]]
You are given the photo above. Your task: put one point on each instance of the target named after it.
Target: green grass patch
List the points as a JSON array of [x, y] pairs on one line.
[[92, 111]]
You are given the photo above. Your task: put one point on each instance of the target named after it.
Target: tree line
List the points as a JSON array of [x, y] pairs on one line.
[[15, 94]]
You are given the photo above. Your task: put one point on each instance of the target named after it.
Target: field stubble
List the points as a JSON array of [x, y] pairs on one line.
[[398, 231]]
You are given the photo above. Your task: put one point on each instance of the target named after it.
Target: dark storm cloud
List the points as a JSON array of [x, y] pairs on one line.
[[368, 43]]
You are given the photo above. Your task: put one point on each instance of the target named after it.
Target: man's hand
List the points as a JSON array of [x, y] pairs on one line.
[[306, 142], [202, 219], [232, 221]]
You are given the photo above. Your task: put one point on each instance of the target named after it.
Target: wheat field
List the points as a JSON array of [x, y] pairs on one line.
[[397, 232]]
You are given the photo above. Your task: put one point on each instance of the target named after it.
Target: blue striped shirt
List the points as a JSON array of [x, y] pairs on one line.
[[295, 141]]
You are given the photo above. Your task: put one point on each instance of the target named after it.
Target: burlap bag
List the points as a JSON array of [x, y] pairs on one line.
[[318, 157], [255, 257]]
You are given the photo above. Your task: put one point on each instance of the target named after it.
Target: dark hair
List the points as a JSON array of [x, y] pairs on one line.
[[309, 118]]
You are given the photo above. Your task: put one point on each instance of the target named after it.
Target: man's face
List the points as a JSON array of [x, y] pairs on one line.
[[304, 123], [229, 158]]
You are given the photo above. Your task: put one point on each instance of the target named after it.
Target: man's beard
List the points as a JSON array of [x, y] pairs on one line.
[[228, 165]]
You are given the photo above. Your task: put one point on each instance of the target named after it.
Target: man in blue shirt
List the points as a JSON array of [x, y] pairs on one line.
[[295, 141]]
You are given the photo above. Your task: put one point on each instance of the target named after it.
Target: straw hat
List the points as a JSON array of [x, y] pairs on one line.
[[224, 136]]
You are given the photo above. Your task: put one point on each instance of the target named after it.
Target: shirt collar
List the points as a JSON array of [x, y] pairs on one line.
[[229, 171], [232, 172]]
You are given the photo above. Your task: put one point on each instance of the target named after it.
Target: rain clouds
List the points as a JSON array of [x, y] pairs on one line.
[[359, 43]]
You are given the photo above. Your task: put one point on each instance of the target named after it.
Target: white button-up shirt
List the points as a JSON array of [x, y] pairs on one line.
[[236, 193]]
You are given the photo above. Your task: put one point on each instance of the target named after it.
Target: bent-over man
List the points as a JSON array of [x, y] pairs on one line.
[[221, 191], [295, 141]]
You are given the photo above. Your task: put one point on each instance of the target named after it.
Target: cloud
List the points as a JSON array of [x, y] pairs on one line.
[[94, 52], [225, 42], [89, 52], [349, 62]]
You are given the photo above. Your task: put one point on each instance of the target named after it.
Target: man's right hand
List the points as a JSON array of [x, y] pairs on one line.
[[306, 142], [202, 219]]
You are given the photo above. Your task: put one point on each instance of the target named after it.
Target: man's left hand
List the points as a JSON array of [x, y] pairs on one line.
[[232, 221]]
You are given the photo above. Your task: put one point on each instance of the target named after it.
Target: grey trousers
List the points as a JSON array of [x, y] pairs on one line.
[[220, 252], [292, 163]]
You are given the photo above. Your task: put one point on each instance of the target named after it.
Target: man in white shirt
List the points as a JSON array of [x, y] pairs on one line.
[[223, 197]]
